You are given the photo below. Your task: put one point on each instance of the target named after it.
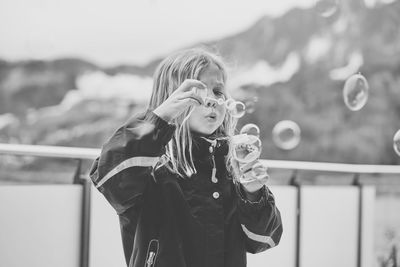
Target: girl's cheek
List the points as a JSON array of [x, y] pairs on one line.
[[220, 108], [223, 110]]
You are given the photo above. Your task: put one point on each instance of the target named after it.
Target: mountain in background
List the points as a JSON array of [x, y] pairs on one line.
[[292, 67]]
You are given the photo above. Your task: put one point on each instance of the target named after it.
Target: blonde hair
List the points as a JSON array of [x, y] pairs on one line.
[[169, 75]]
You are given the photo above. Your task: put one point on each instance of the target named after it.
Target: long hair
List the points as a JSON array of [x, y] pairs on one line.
[[169, 75]]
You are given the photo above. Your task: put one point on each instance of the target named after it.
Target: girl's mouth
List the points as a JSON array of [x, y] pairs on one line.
[[212, 115]]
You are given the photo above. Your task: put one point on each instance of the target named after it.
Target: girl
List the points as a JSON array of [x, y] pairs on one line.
[[169, 175]]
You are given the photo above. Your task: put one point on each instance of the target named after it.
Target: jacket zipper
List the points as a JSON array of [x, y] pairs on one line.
[[150, 259], [211, 149], [152, 251]]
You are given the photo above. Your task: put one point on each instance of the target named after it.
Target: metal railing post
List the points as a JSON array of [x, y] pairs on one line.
[[294, 181], [357, 182], [85, 240], [85, 222]]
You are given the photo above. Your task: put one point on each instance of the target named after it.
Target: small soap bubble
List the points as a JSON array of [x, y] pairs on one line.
[[326, 8], [251, 104], [211, 101], [220, 101], [286, 134], [396, 142], [250, 107], [250, 129], [236, 108], [355, 92], [229, 102]]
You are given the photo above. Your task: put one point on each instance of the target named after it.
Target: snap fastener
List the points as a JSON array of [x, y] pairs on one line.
[[216, 195]]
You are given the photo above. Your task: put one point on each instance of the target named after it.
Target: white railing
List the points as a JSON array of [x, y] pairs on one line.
[[49, 151], [92, 153]]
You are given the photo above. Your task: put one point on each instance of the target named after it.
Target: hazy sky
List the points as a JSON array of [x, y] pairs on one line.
[[122, 31]]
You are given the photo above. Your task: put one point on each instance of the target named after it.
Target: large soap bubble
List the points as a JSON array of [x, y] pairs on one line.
[[355, 92], [286, 134], [326, 8], [246, 148], [396, 142]]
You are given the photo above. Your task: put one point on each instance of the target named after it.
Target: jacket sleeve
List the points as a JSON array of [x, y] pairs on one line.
[[126, 162], [260, 221]]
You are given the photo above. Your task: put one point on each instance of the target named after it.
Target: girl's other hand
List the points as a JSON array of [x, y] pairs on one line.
[[180, 100], [253, 176]]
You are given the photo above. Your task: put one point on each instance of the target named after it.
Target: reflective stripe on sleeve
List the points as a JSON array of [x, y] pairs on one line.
[[131, 162], [258, 238]]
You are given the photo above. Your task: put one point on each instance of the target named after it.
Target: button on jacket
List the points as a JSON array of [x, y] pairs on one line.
[[169, 221]]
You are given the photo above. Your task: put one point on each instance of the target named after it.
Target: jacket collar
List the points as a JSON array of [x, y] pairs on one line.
[[201, 146]]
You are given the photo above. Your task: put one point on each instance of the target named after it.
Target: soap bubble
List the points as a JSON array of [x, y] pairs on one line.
[[355, 92], [236, 108], [250, 129], [326, 8], [246, 148], [251, 105], [286, 134], [396, 142], [210, 101], [229, 102], [220, 101]]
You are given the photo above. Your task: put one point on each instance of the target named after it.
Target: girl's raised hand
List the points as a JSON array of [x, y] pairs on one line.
[[180, 100], [253, 176]]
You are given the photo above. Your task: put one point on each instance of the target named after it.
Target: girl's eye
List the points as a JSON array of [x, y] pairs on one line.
[[219, 93]]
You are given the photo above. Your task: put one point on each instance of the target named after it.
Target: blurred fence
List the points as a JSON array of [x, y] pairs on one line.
[[73, 225]]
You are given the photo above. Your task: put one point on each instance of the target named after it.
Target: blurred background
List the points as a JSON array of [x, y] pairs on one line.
[[72, 71]]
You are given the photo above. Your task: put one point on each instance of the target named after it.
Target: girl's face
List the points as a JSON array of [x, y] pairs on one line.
[[205, 119]]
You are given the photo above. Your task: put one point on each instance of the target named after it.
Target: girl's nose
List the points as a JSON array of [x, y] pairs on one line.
[[211, 102]]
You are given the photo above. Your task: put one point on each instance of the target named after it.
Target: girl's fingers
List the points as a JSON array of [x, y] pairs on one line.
[[181, 98], [251, 165], [190, 101], [191, 95], [188, 84]]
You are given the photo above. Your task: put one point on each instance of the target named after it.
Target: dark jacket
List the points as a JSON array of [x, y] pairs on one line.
[[168, 221]]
